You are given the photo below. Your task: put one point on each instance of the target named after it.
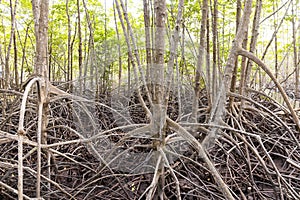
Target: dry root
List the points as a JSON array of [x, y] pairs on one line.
[[256, 154]]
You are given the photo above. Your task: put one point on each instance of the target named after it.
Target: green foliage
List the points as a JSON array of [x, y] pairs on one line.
[[105, 39]]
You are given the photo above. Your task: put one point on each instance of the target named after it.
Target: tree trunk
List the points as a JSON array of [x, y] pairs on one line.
[[276, 31], [119, 50], [159, 110], [234, 74], [69, 52], [79, 47], [295, 59], [254, 37], [215, 51], [218, 108], [16, 61], [91, 50], [7, 75], [41, 61], [208, 73], [40, 12], [159, 51], [131, 59], [24, 55], [148, 39], [275, 40], [174, 39], [200, 61]]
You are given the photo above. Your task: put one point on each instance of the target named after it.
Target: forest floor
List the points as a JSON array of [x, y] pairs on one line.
[[89, 155]]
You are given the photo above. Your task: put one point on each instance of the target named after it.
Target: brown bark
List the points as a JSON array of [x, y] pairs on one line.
[[208, 72], [295, 57], [71, 55], [215, 51], [7, 75], [275, 42], [16, 61], [129, 62], [69, 52], [119, 50], [131, 59], [40, 12], [219, 104], [254, 37], [80, 57], [276, 31], [158, 120], [200, 61], [41, 62], [91, 50], [235, 69], [23, 54], [148, 39], [174, 39], [159, 51], [263, 66]]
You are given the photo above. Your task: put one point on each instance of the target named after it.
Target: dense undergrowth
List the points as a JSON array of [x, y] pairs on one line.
[[257, 152]]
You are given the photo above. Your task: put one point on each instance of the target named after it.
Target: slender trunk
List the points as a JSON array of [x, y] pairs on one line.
[[69, 51], [159, 52], [91, 63], [200, 61], [50, 60], [246, 69], [179, 95], [16, 61], [86, 58], [71, 55], [23, 55], [91, 49], [295, 59], [131, 58], [41, 65], [40, 12], [244, 61], [106, 65], [173, 52], [234, 74], [148, 39], [255, 29], [276, 31], [159, 110], [264, 67], [94, 79], [79, 47], [136, 56], [128, 60], [215, 53], [2, 73], [119, 50], [223, 32], [41, 62], [7, 75], [208, 73], [218, 108], [128, 75], [179, 71], [275, 40], [152, 11]]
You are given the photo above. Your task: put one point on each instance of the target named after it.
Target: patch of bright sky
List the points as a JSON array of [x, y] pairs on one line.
[[133, 5]]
